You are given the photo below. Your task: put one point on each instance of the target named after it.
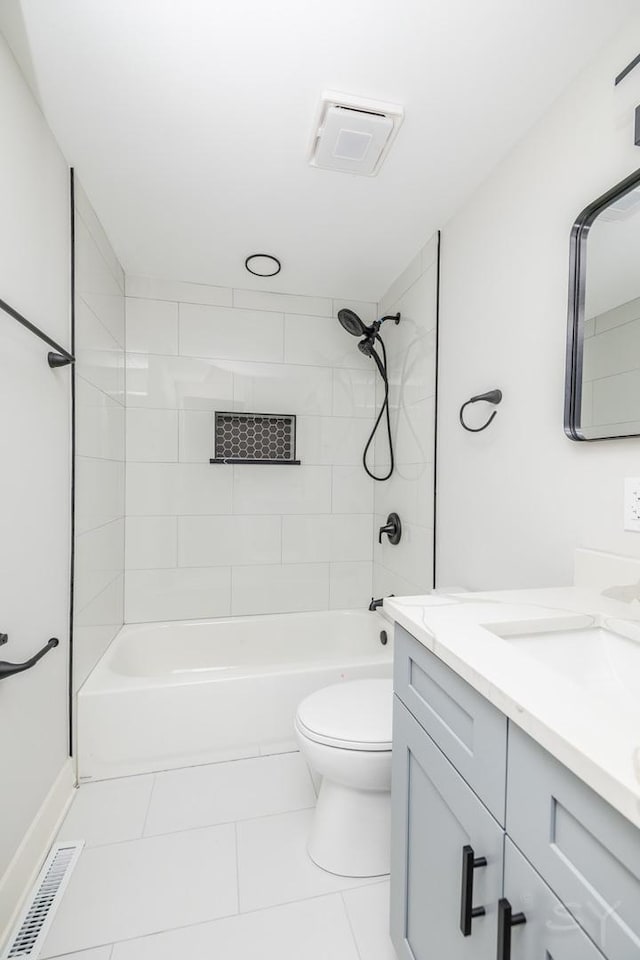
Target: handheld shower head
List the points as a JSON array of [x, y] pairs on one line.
[[367, 345], [352, 323]]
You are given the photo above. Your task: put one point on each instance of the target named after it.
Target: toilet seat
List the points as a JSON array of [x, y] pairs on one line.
[[354, 715]]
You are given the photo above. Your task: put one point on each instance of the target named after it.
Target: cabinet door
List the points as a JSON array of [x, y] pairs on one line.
[[435, 815], [587, 852], [549, 931]]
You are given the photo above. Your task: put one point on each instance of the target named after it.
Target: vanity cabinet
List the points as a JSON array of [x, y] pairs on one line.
[[436, 818], [552, 873]]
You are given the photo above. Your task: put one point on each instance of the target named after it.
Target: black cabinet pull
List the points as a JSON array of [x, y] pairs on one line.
[[506, 920], [467, 910]]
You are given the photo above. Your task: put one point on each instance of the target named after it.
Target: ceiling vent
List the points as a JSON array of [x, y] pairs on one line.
[[353, 135]]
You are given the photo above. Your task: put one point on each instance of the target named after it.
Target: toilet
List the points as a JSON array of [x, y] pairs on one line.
[[344, 732]]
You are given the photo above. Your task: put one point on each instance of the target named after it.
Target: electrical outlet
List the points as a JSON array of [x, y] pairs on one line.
[[632, 504]]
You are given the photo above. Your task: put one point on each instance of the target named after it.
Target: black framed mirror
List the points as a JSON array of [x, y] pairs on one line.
[[602, 391]]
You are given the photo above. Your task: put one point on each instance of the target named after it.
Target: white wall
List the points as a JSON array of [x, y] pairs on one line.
[[407, 567], [34, 476], [212, 540], [100, 425], [516, 500]]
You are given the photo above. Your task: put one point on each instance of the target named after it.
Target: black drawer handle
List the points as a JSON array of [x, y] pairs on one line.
[[467, 910], [506, 920]]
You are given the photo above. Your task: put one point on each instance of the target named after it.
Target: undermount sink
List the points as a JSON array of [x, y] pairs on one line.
[[601, 655]]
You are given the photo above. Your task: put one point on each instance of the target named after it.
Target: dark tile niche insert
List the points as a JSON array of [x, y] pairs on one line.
[[255, 438]]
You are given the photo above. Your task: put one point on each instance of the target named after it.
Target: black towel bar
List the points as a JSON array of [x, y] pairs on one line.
[[8, 669], [58, 356]]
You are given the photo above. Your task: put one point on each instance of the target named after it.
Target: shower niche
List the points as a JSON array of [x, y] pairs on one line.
[[268, 438]]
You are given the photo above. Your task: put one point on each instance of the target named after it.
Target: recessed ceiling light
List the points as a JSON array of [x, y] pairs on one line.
[[263, 265]]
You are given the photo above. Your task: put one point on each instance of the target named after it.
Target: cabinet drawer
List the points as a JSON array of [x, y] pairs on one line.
[[550, 932], [467, 728], [587, 852]]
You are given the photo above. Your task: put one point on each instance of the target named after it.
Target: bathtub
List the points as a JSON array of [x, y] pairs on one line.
[[169, 695]]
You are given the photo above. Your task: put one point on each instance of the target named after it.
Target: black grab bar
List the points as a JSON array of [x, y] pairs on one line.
[[8, 669], [58, 357]]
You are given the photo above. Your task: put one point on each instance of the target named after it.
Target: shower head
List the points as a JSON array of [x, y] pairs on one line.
[[368, 347], [352, 323]]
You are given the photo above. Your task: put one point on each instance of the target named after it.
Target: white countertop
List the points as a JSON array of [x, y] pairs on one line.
[[596, 734]]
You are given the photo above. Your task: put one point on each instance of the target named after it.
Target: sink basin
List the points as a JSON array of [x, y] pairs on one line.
[[602, 657]]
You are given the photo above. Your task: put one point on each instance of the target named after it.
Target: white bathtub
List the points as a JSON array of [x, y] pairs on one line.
[[170, 695]]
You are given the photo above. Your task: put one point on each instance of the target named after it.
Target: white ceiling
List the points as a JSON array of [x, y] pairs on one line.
[[189, 121]]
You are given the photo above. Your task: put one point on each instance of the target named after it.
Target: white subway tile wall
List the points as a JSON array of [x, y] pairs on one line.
[[100, 441], [213, 540], [407, 568]]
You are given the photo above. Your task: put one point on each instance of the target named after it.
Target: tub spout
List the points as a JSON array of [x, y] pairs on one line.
[[377, 603]]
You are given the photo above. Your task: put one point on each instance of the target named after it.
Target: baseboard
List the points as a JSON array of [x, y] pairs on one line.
[[28, 858]]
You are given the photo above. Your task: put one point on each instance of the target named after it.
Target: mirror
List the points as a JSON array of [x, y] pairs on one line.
[[602, 398]]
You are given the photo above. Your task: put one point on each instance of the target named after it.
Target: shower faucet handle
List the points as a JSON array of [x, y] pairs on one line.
[[392, 528]]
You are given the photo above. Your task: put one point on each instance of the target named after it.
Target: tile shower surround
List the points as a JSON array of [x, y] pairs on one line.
[[214, 540]]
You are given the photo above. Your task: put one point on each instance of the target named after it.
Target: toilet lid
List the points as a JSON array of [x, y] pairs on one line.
[[354, 715]]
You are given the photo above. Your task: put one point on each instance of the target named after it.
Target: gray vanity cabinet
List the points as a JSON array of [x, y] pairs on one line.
[[558, 878], [550, 932], [437, 818]]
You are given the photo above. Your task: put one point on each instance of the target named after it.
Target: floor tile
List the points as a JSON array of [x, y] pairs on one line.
[[314, 929], [368, 911], [222, 792], [274, 866], [145, 886], [108, 811]]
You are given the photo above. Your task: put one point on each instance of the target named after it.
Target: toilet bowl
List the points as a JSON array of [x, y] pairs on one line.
[[344, 732]]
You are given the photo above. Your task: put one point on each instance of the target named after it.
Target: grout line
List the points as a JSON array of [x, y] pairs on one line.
[[235, 829], [111, 582], [119, 347], [368, 882], [146, 815], [105, 393], [204, 826], [367, 418], [350, 925], [101, 526]]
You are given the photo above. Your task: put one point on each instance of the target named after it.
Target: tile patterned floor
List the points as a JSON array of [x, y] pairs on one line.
[[210, 862]]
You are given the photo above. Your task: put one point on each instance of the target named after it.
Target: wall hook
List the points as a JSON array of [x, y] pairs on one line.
[[492, 396]]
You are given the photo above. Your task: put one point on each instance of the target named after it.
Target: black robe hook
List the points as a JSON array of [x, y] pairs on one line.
[[492, 396]]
